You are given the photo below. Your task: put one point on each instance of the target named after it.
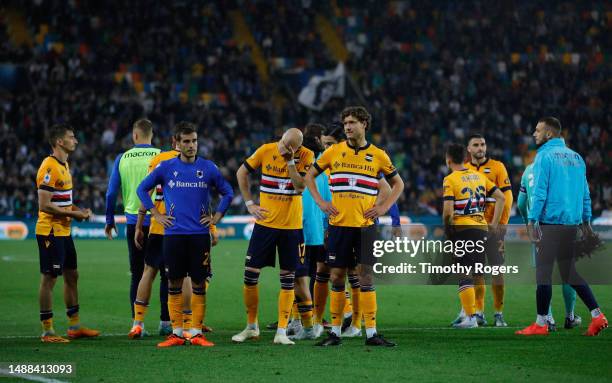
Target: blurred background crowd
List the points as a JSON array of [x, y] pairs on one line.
[[428, 73]]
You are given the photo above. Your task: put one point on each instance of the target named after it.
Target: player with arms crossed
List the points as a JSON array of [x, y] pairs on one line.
[[187, 181], [55, 245], [278, 225], [465, 193], [355, 166]]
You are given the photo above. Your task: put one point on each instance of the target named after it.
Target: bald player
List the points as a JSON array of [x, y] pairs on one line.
[[278, 225]]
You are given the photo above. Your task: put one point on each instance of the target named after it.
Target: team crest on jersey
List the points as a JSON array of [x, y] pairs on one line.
[[274, 158], [352, 181], [343, 154], [199, 173], [369, 157], [47, 178], [487, 170]]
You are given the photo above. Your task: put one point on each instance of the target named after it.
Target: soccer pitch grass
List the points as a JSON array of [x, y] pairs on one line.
[[416, 317]]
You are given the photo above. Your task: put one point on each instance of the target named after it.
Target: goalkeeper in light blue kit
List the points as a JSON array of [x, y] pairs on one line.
[[569, 294]]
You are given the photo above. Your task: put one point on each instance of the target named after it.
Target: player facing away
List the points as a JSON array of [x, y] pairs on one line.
[[153, 258], [278, 225], [569, 294], [129, 169], [496, 172], [561, 202], [354, 166], [465, 192], [187, 181], [56, 249]]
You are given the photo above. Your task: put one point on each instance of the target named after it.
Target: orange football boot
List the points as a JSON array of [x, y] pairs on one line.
[[200, 340], [597, 325], [82, 332], [533, 329], [53, 339], [172, 340], [135, 332]]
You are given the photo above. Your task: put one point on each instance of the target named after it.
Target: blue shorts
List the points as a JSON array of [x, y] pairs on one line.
[[187, 255], [348, 247], [56, 254], [266, 240], [154, 255]]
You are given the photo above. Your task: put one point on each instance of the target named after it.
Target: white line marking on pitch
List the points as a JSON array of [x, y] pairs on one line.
[[33, 378]]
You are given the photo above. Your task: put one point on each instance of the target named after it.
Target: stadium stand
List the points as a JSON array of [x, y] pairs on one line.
[[429, 74]]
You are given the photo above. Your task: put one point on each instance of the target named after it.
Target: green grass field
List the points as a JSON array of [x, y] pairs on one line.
[[416, 317]]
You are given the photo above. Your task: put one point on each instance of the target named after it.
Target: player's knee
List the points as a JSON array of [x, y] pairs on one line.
[[287, 280], [71, 277], [149, 272], [337, 278], [365, 271], [498, 279], [322, 268], [354, 281], [196, 283], [251, 278], [47, 281]]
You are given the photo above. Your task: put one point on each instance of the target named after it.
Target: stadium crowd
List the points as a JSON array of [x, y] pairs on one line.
[[429, 73]]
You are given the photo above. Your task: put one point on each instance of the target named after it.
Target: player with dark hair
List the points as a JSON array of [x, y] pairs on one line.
[[56, 249], [187, 182], [354, 166], [496, 172], [465, 192], [561, 204]]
